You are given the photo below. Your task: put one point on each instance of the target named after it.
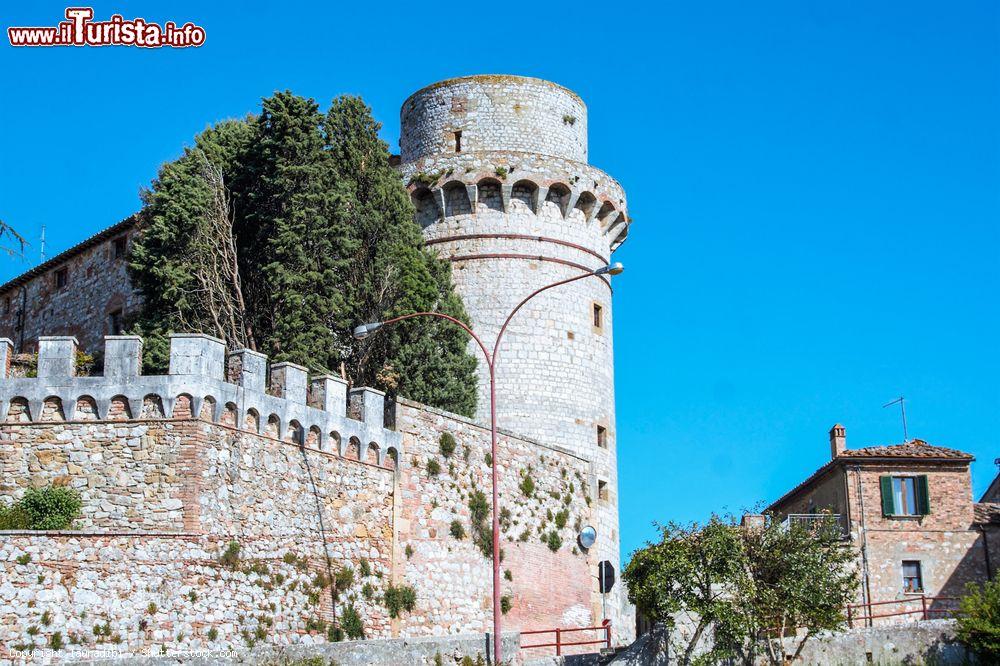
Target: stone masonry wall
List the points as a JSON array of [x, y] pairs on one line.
[[162, 501], [945, 542], [515, 208], [494, 113], [549, 584], [97, 285]]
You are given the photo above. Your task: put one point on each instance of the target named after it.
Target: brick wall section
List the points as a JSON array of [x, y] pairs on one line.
[[97, 285], [452, 577]]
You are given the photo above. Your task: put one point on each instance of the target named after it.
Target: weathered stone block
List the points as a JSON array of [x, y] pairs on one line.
[[57, 356], [122, 356], [197, 354]]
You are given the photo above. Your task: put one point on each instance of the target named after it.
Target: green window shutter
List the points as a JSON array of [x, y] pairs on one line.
[[923, 497], [888, 507]]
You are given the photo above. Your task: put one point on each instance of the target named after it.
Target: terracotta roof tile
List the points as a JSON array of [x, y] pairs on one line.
[[915, 448], [987, 512]]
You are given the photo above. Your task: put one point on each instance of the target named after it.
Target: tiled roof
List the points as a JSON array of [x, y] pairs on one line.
[[915, 448], [61, 258], [987, 512]]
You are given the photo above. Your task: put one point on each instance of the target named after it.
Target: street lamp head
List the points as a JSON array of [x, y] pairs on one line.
[[363, 331], [611, 269]]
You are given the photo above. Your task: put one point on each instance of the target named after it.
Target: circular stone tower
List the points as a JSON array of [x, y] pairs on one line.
[[497, 169]]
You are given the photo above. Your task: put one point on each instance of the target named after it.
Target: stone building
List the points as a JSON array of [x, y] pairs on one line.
[[497, 170], [908, 510]]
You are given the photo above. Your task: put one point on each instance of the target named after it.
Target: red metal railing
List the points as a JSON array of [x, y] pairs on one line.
[[560, 643], [926, 610]]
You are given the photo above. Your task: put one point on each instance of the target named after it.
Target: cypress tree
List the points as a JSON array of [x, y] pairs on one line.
[[295, 241], [391, 274], [325, 239]]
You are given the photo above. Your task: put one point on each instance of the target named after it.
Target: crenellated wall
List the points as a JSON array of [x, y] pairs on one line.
[[172, 469]]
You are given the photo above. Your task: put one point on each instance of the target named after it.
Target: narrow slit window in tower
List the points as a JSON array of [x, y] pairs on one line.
[[458, 141], [602, 490], [602, 437], [598, 317]]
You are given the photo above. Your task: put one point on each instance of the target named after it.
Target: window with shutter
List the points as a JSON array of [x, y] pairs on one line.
[[904, 495], [923, 496], [888, 506]]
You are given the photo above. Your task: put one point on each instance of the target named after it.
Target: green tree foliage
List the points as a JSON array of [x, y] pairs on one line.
[[795, 577], [399, 598], [178, 239], [323, 239], [42, 509], [750, 587], [979, 621], [424, 358]]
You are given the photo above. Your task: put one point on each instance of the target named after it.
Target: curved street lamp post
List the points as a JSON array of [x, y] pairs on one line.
[[364, 330]]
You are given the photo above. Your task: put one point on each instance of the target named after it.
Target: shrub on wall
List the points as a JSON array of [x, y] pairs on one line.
[[350, 622], [399, 598], [42, 509], [457, 530], [447, 444], [527, 486]]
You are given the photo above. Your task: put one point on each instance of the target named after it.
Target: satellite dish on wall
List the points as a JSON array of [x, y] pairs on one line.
[[587, 537]]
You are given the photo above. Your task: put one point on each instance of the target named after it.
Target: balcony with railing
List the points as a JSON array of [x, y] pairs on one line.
[[818, 522]]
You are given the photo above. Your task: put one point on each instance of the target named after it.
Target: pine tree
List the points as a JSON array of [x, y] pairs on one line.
[[424, 359]]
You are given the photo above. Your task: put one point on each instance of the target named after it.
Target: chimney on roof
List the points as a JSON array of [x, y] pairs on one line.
[[838, 440]]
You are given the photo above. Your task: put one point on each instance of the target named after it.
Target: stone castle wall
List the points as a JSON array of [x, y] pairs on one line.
[[518, 208], [171, 470], [496, 113]]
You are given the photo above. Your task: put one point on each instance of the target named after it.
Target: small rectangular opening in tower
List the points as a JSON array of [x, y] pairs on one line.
[[602, 437], [120, 245], [458, 141], [598, 316], [62, 278], [602, 490]]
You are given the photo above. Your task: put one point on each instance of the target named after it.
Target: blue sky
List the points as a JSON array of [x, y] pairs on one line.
[[814, 187]]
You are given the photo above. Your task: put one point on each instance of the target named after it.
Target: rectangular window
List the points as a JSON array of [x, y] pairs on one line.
[[598, 316], [602, 490], [904, 495], [120, 246], [6, 305], [458, 142], [913, 580], [602, 437], [62, 278], [116, 323]]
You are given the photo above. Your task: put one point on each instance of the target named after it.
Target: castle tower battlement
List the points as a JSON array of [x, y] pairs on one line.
[[497, 171], [234, 389]]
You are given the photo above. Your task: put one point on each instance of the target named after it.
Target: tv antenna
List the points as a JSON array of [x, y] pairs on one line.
[[902, 408], [42, 253]]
